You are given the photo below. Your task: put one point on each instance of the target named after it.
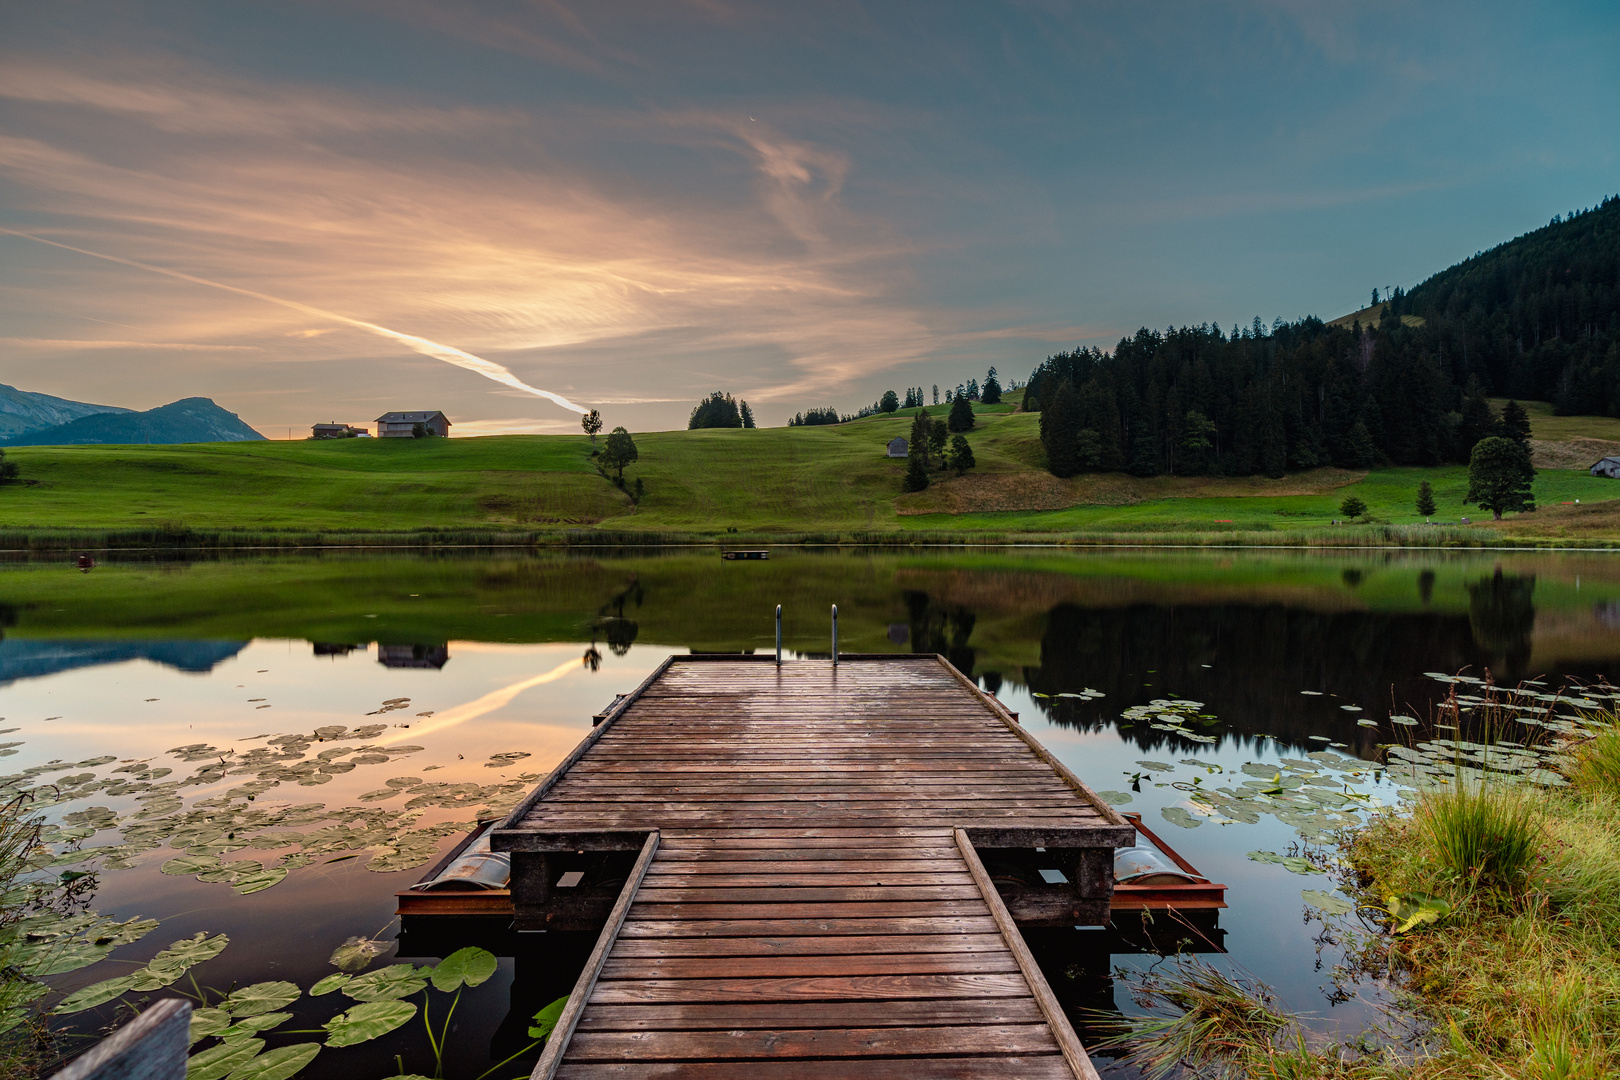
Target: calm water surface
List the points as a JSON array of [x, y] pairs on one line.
[[472, 676]]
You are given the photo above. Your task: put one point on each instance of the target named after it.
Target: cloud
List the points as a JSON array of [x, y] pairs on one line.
[[168, 346]]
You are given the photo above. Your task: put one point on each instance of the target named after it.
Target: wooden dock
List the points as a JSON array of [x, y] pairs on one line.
[[786, 865]]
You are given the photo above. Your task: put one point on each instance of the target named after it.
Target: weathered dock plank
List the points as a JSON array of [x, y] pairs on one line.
[[809, 901]]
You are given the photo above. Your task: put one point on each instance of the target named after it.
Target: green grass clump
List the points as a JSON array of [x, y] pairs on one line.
[[1484, 833], [1597, 763], [1219, 1027]]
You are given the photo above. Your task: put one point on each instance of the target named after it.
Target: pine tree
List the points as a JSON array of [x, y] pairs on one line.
[[990, 393], [921, 425], [1060, 428], [746, 413], [961, 457], [1425, 499], [1515, 424], [1352, 507], [916, 473]]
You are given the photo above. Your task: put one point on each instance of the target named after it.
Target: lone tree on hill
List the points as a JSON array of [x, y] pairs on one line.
[[1352, 507], [961, 417], [1499, 476], [990, 392], [719, 409], [916, 473], [1425, 500], [961, 456], [592, 423], [889, 402], [619, 451], [746, 413]]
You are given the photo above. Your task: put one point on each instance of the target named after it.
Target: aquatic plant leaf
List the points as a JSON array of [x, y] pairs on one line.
[[1117, 798], [1156, 766], [1411, 910], [386, 984], [192, 950], [366, 1022], [545, 1021], [329, 984], [215, 1062], [1405, 721], [258, 880], [207, 1022], [1292, 863], [190, 864], [355, 954], [260, 998], [469, 966], [252, 1025], [40, 959], [279, 1064], [1327, 902], [1175, 815], [93, 995]]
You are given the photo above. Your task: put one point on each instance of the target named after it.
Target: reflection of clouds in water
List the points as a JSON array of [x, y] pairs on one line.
[[472, 710]]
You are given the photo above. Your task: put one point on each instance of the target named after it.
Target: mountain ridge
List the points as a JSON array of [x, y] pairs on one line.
[[189, 420]]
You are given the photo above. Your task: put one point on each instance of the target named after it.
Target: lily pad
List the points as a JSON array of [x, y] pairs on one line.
[[329, 984], [366, 1022], [545, 1021], [1156, 766], [258, 880], [217, 1061], [95, 994], [1175, 815], [249, 1026], [206, 1022], [387, 984], [1327, 902], [260, 998], [355, 954], [468, 966], [1116, 798], [279, 1064], [1411, 910]]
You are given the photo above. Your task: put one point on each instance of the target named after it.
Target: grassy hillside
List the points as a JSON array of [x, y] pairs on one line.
[[832, 479]]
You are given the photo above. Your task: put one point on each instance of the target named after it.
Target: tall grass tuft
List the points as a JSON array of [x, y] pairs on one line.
[[1224, 1027], [1485, 833], [1597, 763]]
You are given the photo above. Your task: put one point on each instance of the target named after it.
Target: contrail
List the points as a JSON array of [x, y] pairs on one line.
[[489, 369]]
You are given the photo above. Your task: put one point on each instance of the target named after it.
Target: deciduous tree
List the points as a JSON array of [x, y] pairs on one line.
[[1499, 476], [961, 454], [592, 423], [618, 451], [889, 402]]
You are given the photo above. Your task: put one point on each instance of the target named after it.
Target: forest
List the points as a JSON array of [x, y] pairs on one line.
[[1536, 318]]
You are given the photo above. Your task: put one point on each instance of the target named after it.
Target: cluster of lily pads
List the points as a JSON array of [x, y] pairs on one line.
[[231, 1026], [44, 943]]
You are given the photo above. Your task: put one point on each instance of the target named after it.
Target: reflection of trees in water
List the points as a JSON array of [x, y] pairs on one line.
[[1260, 658], [1503, 617], [941, 628], [612, 624]]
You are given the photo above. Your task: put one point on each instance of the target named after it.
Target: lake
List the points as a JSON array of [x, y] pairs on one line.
[[270, 748]]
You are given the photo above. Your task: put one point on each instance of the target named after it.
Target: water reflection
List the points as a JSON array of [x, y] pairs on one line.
[[26, 659], [1502, 617]]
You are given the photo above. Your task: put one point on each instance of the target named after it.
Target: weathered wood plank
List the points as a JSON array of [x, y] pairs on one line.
[[152, 1046], [780, 1045], [806, 945], [811, 988], [746, 1015], [844, 964], [1049, 1067]]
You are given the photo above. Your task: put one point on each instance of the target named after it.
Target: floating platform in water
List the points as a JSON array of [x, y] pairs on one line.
[[750, 555]]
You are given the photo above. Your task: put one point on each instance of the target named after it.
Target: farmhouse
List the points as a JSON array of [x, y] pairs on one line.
[[897, 447], [1609, 466], [402, 425], [337, 431]]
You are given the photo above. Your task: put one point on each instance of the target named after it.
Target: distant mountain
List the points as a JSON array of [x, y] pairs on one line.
[[189, 420], [22, 410]]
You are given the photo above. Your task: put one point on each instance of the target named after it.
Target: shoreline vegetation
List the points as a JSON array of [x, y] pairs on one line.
[[1366, 536], [1488, 903], [807, 485]]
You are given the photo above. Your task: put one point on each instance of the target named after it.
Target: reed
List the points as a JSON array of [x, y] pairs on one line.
[[1481, 833]]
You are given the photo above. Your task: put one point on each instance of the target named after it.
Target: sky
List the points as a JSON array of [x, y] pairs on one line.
[[323, 211]]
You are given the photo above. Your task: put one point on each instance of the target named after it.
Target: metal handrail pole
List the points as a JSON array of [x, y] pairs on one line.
[[835, 635], [778, 635]]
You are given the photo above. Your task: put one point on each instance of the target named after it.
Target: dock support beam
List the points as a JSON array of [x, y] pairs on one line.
[[835, 635]]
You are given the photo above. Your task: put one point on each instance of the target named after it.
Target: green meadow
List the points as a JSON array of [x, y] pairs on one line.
[[830, 481]]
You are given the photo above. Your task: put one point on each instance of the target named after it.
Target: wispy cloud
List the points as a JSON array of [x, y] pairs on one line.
[[166, 346]]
